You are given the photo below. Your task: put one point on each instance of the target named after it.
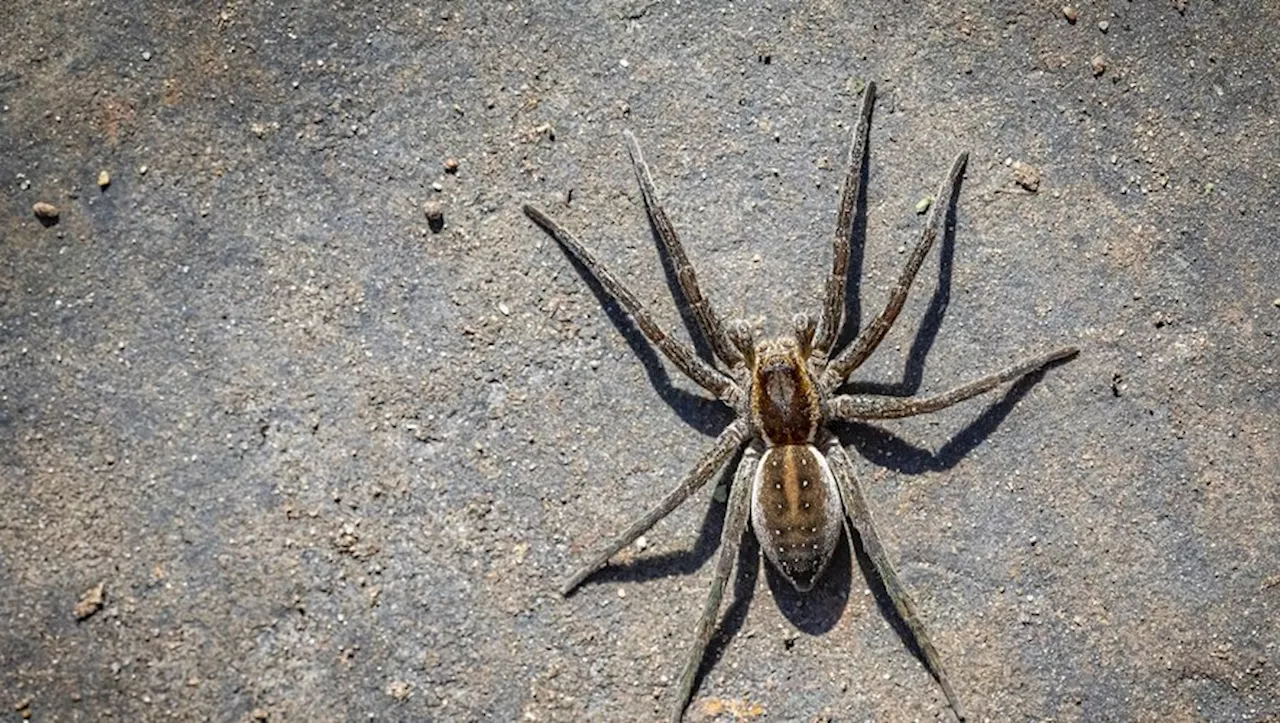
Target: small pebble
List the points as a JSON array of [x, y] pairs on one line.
[[142, 170], [1099, 65], [1276, 302], [435, 215], [1070, 13], [146, 55], [399, 690], [923, 205], [45, 211], [437, 186], [104, 179], [91, 601], [1026, 175], [1104, 26], [451, 165]]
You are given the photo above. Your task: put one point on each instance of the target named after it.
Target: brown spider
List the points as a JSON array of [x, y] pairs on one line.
[[795, 482]]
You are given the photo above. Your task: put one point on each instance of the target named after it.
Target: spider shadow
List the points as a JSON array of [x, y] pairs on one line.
[[814, 612], [708, 416], [885, 603], [746, 573], [887, 450], [818, 610], [930, 324], [677, 562], [701, 344]]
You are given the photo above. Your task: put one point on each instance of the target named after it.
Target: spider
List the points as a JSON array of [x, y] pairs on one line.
[[795, 483]]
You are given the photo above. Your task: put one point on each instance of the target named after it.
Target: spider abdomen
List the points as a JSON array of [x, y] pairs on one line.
[[796, 511]]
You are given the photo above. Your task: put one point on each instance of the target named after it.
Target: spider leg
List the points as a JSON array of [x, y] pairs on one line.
[[707, 376], [709, 323], [869, 338], [857, 513], [850, 407], [726, 444], [735, 524], [833, 305]]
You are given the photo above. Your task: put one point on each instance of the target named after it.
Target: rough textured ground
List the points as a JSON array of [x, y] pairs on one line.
[[331, 465]]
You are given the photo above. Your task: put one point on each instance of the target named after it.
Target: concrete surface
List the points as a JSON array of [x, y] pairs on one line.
[[331, 465]]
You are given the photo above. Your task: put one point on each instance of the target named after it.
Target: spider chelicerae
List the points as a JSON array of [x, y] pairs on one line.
[[795, 482]]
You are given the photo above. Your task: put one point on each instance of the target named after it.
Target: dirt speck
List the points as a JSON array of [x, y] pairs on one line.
[[1026, 175], [46, 212], [399, 690], [435, 215], [714, 708], [91, 601]]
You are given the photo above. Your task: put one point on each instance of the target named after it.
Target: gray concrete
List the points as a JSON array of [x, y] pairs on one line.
[[331, 465]]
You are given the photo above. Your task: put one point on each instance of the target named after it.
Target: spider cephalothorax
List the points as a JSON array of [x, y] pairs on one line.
[[785, 405], [795, 483]]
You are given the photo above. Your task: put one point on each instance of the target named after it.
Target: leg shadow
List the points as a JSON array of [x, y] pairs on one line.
[[677, 562], [884, 449], [817, 611], [708, 416], [927, 334], [735, 616]]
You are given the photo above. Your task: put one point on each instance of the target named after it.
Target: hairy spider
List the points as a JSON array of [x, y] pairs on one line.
[[795, 482]]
